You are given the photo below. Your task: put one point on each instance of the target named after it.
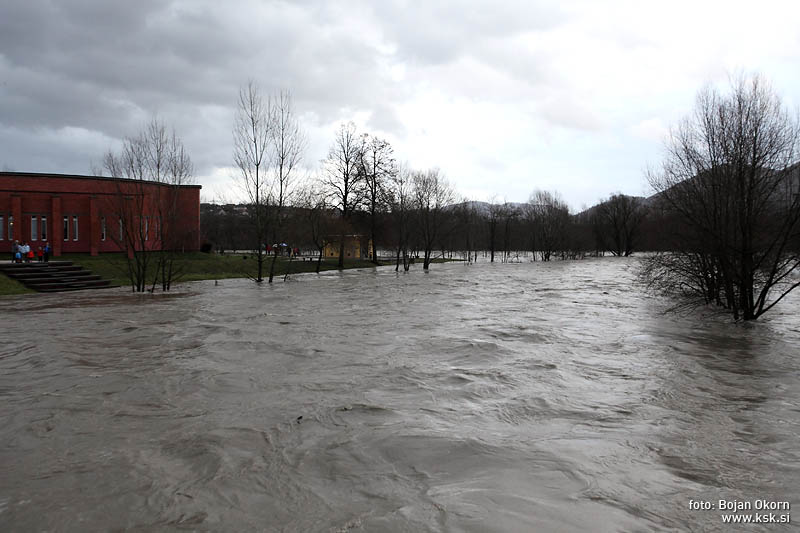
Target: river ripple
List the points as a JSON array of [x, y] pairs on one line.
[[505, 397]]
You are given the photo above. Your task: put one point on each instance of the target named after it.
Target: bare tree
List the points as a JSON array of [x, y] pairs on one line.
[[724, 185], [177, 171], [467, 219], [252, 132], [509, 214], [493, 219], [148, 218], [286, 144], [431, 194], [501, 217], [342, 178], [530, 214], [549, 215], [400, 197], [317, 218], [618, 221], [129, 207], [378, 166]]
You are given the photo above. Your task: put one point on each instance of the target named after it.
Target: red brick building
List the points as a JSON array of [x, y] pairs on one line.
[[94, 214]]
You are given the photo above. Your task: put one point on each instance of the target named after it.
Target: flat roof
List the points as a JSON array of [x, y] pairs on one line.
[[78, 176]]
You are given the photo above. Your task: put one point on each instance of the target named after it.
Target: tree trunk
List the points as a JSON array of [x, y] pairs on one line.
[[374, 247], [341, 252], [260, 260], [272, 265]]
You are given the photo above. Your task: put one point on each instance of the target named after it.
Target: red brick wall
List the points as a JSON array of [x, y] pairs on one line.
[[23, 195]]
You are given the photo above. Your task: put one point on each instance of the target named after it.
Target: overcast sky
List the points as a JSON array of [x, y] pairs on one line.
[[504, 97]]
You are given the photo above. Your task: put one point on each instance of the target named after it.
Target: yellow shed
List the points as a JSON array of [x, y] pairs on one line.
[[355, 247]]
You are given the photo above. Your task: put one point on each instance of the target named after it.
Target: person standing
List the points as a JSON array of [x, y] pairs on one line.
[[14, 251], [47, 252], [40, 254]]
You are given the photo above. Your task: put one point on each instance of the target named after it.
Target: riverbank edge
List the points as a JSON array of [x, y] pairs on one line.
[[199, 267]]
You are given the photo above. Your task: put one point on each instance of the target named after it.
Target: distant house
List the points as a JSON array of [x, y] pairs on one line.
[[88, 213], [355, 247]]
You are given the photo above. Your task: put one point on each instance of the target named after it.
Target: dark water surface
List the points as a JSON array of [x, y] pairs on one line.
[[517, 397]]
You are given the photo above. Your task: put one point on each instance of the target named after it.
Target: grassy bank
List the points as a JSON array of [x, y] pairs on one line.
[[194, 266], [10, 286]]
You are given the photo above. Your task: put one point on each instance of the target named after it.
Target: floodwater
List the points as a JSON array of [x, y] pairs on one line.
[[505, 397]]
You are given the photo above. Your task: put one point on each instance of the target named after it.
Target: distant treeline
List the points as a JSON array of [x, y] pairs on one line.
[[541, 229]]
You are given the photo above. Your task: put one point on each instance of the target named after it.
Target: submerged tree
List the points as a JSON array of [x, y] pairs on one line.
[[400, 196], [317, 218], [342, 178], [252, 132], [467, 218], [509, 215], [378, 167], [286, 146], [492, 220], [431, 194], [548, 217], [728, 187], [618, 221]]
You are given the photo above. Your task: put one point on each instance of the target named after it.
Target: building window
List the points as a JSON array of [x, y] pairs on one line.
[[146, 227], [121, 230], [75, 228], [102, 228], [66, 228], [2, 227], [43, 228], [34, 228], [10, 228]]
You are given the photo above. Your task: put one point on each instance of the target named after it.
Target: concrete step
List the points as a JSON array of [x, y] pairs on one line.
[[11, 266], [70, 271], [73, 285], [70, 279], [22, 271], [54, 276]]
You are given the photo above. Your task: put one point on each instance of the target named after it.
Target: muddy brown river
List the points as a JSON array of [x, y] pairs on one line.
[[505, 397]]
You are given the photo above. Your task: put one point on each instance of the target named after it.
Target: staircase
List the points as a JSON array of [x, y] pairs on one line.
[[55, 276]]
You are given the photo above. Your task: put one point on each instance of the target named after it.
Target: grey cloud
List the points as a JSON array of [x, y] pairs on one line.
[[440, 32], [47, 150], [384, 118], [76, 76], [108, 66], [568, 112], [101, 65]]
